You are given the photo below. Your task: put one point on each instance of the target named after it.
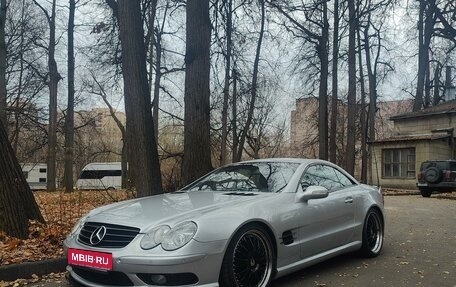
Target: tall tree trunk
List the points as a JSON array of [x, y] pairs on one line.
[[226, 87], [152, 45], [254, 85], [372, 76], [351, 123], [142, 146], [363, 119], [234, 118], [16, 199], [436, 96], [54, 78], [69, 120], [3, 117], [158, 76], [334, 98], [323, 89], [197, 147], [427, 87], [426, 24]]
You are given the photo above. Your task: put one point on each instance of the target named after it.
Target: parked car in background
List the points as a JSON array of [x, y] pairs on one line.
[[437, 175], [100, 175], [243, 224]]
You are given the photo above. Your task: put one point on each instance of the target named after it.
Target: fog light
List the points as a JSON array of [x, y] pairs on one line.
[[158, 279]]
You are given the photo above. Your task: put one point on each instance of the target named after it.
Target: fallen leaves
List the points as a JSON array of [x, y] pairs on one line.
[[61, 211], [52, 277]]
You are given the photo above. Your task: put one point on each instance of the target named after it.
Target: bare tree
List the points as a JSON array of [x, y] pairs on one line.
[[254, 85], [226, 86], [54, 78], [335, 86], [197, 151], [351, 116], [426, 24], [3, 117], [316, 32], [99, 90], [69, 120], [142, 147], [25, 76]]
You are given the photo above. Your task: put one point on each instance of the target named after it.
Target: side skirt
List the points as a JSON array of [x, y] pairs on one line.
[[285, 270]]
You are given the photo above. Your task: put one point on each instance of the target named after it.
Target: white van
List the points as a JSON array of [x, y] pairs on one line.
[[35, 174], [100, 175]]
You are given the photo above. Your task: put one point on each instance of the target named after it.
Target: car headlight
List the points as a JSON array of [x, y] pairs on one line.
[[154, 237], [169, 238], [179, 235]]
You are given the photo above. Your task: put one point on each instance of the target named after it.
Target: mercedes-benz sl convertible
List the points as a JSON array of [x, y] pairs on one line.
[[243, 224]]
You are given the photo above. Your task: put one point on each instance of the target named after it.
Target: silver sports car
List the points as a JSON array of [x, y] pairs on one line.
[[243, 224]]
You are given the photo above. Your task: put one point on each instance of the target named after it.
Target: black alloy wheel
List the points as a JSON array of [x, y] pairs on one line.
[[372, 234], [249, 259]]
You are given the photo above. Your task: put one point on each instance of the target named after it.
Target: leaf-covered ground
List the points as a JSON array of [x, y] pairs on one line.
[[61, 211]]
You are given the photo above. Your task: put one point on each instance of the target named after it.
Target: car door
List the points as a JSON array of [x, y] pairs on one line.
[[328, 222]]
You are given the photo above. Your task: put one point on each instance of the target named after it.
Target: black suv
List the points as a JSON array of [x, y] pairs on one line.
[[437, 175]]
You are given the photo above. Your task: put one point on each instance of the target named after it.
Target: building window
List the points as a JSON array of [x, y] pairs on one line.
[[399, 163]]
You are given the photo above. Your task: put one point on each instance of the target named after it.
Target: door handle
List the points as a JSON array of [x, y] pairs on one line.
[[349, 200]]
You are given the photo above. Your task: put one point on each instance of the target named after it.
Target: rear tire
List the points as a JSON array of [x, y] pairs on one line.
[[425, 192], [249, 259], [372, 234]]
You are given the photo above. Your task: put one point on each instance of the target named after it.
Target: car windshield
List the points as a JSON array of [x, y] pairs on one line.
[[249, 177]]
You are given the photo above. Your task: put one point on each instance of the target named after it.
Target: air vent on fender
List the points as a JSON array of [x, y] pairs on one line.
[[287, 237]]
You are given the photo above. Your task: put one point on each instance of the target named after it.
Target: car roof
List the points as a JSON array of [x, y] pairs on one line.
[[285, 160]]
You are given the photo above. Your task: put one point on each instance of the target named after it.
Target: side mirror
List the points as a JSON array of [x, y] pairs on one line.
[[312, 192]]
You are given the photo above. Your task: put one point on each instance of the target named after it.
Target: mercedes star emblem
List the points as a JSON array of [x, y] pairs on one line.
[[97, 235]]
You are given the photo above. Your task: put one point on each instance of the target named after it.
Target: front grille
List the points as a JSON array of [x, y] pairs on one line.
[[112, 278], [117, 236]]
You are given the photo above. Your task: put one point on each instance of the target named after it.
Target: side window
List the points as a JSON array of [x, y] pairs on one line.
[[344, 180], [323, 175]]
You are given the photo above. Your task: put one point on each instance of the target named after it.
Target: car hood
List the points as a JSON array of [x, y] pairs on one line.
[[145, 213]]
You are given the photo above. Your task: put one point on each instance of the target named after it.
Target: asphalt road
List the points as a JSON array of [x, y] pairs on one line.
[[419, 250]]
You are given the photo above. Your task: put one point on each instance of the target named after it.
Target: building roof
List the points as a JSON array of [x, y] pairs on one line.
[[445, 108], [405, 138]]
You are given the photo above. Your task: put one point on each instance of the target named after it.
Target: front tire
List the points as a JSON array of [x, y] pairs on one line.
[[372, 234], [249, 259]]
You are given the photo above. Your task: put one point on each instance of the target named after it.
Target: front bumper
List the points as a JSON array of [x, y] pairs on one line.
[[131, 264]]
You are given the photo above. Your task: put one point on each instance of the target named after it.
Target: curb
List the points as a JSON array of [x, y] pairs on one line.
[[27, 269], [402, 193]]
